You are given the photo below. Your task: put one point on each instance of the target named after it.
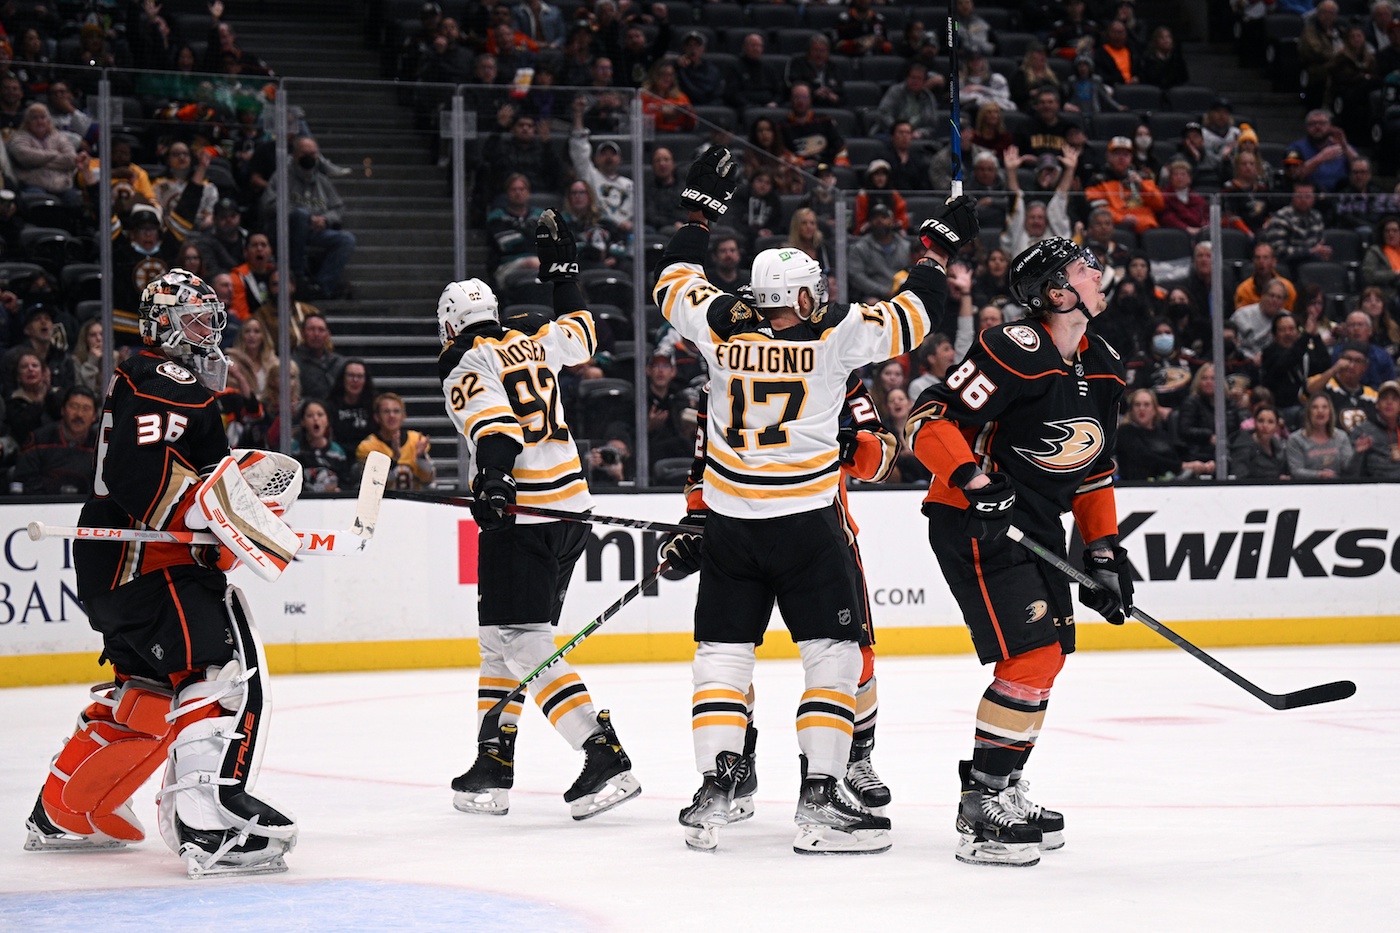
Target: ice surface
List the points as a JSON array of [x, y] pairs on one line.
[[1189, 806]]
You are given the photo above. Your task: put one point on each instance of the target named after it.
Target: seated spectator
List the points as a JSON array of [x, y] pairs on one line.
[[1324, 150], [1359, 203], [12, 102], [1259, 455], [298, 312], [325, 465], [600, 243], [1295, 232], [1073, 33], [1265, 271], [610, 464], [754, 83], [725, 270], [992, 284], [1380, 266], [252, 278], [1352, 400], [1192, 148], [1380, 366], [1098, 236], [975, 34], [314, 223], [934, 357], [987, 187], [664, 103], [1033, 75], [768, 152], [1248, 141], [1146, 450], [908, 166], [876, 258], [979, 85], [885, 378], [880, 192], [699, 77], [1351, 77], [1163, 366], [665, 214], [34, 402], [1376, 441], [225, 242], [1319, 41], [1183, 208], [910, 101], [190, 257], [1085, 92], [861, 30], [1290, 358], [1245, 202], [511, 232], [916, 43], [812, 137], [59, 460], [636, 56], [821, 199], [1162, 64], [1255, 323], [988, 131], [760, 210], [351, 400], [1320, 449], [1196, 417], [64, 112], [805, 233], [669, 432], [603, 172], [1219, 133], [520, 152], [1032, 221], [815, 69], [43, 158], [87, 356], [1188, 320], [316, 358], [1385, 330], [180, 170], [1047, 131], [39, 337], [255, 355], [542, 22], [407, 450]]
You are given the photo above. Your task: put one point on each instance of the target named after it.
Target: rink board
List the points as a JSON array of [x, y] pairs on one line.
[[1225, 566]]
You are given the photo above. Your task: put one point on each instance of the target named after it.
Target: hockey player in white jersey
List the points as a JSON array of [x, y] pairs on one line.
[[501, 389], [772, 469]]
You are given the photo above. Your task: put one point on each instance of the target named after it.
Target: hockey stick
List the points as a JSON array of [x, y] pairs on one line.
[[557, 514], [1308, 696], [319, 542], [490, 730], [954, 95]]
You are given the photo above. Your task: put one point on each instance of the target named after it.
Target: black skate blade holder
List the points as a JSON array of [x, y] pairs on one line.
[[1308, 696]]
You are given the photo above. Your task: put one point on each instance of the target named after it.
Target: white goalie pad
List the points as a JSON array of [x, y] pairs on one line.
[[275, 477], [232, 510]]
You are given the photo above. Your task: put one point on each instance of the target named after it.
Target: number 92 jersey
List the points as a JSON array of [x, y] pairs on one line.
[[776, 398], [501, 381]]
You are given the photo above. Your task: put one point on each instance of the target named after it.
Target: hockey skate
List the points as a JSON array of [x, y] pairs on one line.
[[485, 788], [211, 853], [714, 804], [606, 779], [44, 836], [861, 781], [1050, 822], [747, 783], [828, 825], [990, 830]]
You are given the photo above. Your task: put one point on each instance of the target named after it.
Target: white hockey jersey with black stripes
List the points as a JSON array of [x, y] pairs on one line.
[[776, 397], [500, 381]]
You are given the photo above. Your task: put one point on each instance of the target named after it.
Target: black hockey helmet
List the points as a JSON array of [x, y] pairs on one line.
[[1042, 265]]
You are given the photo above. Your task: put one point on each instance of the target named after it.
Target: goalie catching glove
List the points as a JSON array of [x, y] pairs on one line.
[[684, 551], [952, 226], [556, 247], [1114, 598], [710, 183]]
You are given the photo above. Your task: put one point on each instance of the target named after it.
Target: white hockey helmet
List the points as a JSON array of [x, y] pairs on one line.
[[463, 304], [780, 275], [180, 313]]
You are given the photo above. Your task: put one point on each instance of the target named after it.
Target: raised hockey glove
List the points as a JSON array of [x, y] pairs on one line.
[[493, 491], [683, 551], [1114, 598], [952, 226], [710, 183], [556, 247], [848, 442], [988, 513]]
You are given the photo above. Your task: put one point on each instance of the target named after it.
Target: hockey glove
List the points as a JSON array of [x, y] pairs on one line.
[[683, 551], [952, 226], [710, 183], [556, 247], [847, 442], [1114, 598], [493, 491], [988, 512]]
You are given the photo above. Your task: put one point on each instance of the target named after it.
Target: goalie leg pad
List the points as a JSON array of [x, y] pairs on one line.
[[826, 715], [230, 508], [208, 813]]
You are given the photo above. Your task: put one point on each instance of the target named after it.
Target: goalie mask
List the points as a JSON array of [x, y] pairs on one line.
[[181, 314], [463, 304], [781, 275]]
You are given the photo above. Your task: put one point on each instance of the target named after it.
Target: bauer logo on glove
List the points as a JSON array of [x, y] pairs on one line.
[[710, 183]]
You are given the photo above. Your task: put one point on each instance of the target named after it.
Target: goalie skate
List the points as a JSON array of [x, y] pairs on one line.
[[990, 830], [44, 836], [714, 804], [485, 788], [828, 825], [1051, 823], [211, 853], [606, 780]]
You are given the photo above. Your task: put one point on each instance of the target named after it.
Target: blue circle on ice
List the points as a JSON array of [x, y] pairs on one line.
[[312, 906]]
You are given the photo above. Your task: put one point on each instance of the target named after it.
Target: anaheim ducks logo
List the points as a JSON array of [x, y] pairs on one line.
[[1036, 611], [1079, 442]]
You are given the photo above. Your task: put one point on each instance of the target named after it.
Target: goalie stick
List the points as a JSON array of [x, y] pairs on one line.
[[490, 730], [1308, 696], [317, 542], [556, 514]]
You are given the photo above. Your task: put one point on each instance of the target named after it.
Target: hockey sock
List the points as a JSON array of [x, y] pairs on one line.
[[720, 711], [560, 693], [748, 704], [1012, 712], [827, 712], [565, 702], [867, 711]]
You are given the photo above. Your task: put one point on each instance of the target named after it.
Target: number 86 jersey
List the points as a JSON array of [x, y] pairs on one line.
[[501, 381], [776, 397]]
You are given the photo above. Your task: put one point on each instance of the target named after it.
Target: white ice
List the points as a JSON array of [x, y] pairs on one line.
[[1189, 806]]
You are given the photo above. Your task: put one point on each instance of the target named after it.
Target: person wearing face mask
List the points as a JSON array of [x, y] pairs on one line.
[[1162, 366], [314, 223], [1143, 160]]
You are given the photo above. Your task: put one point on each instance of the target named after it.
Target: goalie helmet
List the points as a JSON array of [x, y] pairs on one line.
[[463, 304], [1043, 265], [181, 314], [780, 275]]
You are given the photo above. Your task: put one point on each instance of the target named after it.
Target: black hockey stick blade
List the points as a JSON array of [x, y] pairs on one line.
[[556, 514], [1308, 696], [490, 730]]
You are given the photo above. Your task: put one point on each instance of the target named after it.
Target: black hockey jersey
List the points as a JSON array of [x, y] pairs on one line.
[[1015, 406], [160, 430]]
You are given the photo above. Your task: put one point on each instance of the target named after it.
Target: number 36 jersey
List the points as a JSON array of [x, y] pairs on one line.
[[776, 397], [501, 381]]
